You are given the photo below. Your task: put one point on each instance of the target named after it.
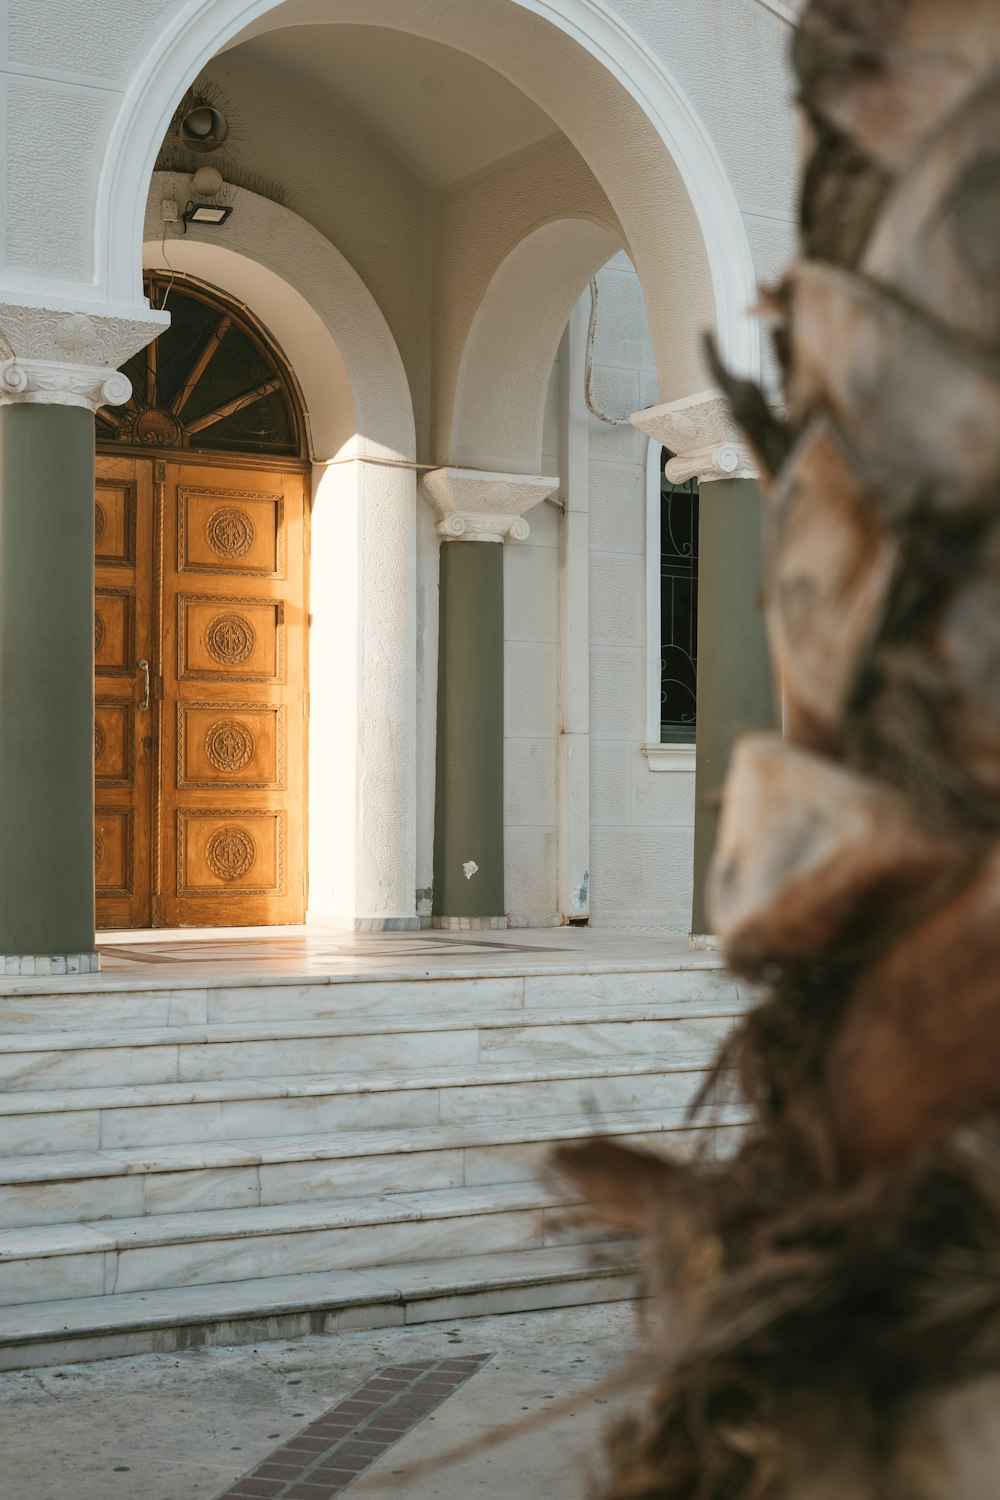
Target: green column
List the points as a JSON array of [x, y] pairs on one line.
[[46, 684], [468, 822], [735, 682]]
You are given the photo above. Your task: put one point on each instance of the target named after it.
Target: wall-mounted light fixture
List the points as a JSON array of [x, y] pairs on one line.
[[203, 128], [206, 213]]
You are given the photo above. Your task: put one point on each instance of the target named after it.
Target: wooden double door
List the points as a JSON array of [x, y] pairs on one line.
[[201, 707]]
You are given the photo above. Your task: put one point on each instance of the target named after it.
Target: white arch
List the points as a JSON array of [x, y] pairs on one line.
[[363, 773], [620, 50], [307, 286], [508, 355], [202, 28]]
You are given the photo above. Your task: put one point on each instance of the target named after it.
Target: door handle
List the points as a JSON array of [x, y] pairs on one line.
[[144, 669]]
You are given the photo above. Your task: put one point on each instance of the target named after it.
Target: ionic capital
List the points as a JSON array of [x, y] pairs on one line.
[[48, 383], [65, 357], [702, 435], [477, 507]]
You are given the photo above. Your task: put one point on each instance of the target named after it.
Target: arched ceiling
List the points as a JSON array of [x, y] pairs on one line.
[[615, 102], [440, 113]]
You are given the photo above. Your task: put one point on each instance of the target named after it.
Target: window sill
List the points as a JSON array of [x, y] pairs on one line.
[[673, 758]]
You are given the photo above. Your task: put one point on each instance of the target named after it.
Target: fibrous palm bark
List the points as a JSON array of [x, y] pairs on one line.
[[826, 1302]]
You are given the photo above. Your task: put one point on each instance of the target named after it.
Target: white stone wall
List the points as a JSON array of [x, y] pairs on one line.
[[532, 709], [642, 821]]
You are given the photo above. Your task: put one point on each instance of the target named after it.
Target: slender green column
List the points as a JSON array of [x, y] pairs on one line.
[[468, 833], [735, 682], [478, 509], [46, 682]]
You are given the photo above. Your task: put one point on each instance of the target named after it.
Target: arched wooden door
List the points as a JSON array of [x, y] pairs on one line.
[[201, 622]]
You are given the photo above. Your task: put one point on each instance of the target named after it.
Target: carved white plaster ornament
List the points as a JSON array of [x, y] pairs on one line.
[[701, 434], [58, 357], [46, 382], [479, 507]]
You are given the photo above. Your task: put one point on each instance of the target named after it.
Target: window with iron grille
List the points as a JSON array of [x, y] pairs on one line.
[[678, 608]]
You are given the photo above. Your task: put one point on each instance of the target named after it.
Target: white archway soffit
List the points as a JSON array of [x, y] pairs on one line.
[[205, 27], [513, 341], [315, 304]]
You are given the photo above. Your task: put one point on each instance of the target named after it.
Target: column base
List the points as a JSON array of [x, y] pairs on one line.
[[50, 963], [470, 924], [704, 942], [386, 924]]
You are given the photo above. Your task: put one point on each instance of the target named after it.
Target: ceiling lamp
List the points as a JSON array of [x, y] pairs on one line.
[[207, 182], [203, 128]]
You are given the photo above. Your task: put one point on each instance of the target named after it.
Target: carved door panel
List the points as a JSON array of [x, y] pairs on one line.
[[124, 714], [233, 716]]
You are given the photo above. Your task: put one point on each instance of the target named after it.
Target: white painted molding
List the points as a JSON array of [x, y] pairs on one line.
[[670, 758], [786, 12], [702, 435], [56, 356], [475, 506]]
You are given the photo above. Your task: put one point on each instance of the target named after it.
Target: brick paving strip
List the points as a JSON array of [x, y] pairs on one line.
[[329, 1454]]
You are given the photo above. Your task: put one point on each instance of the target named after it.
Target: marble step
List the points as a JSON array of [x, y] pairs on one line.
[[95, 1185], [115, 1118], [87, 1328], [189, 1054], [125, 1004], [190, 1249]]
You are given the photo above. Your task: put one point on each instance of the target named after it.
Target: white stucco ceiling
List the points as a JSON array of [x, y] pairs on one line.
[[441, 113]]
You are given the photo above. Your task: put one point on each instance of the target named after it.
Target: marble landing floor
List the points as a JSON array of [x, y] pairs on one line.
[[224, 953]]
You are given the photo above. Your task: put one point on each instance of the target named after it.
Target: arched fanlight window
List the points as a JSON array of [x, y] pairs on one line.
[[213, 382]]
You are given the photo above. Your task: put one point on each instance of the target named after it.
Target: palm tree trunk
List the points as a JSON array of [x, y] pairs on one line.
[[827, 1300]]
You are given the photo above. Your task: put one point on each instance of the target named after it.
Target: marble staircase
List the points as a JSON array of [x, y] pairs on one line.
[[193, 1160]]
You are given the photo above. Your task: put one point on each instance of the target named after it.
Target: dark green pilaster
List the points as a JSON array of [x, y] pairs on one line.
[[46, 680], [735, 682], [468, 823]]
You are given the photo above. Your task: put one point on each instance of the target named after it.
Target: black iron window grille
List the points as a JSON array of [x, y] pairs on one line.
[[678, 608]]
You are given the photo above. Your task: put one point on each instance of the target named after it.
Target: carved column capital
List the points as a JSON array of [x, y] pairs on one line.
[[702, 435], [65, 357], [479, 507], [53, 383]]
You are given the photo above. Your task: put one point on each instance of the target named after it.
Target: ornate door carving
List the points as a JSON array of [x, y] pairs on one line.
[[233, 737], [199, 755]]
